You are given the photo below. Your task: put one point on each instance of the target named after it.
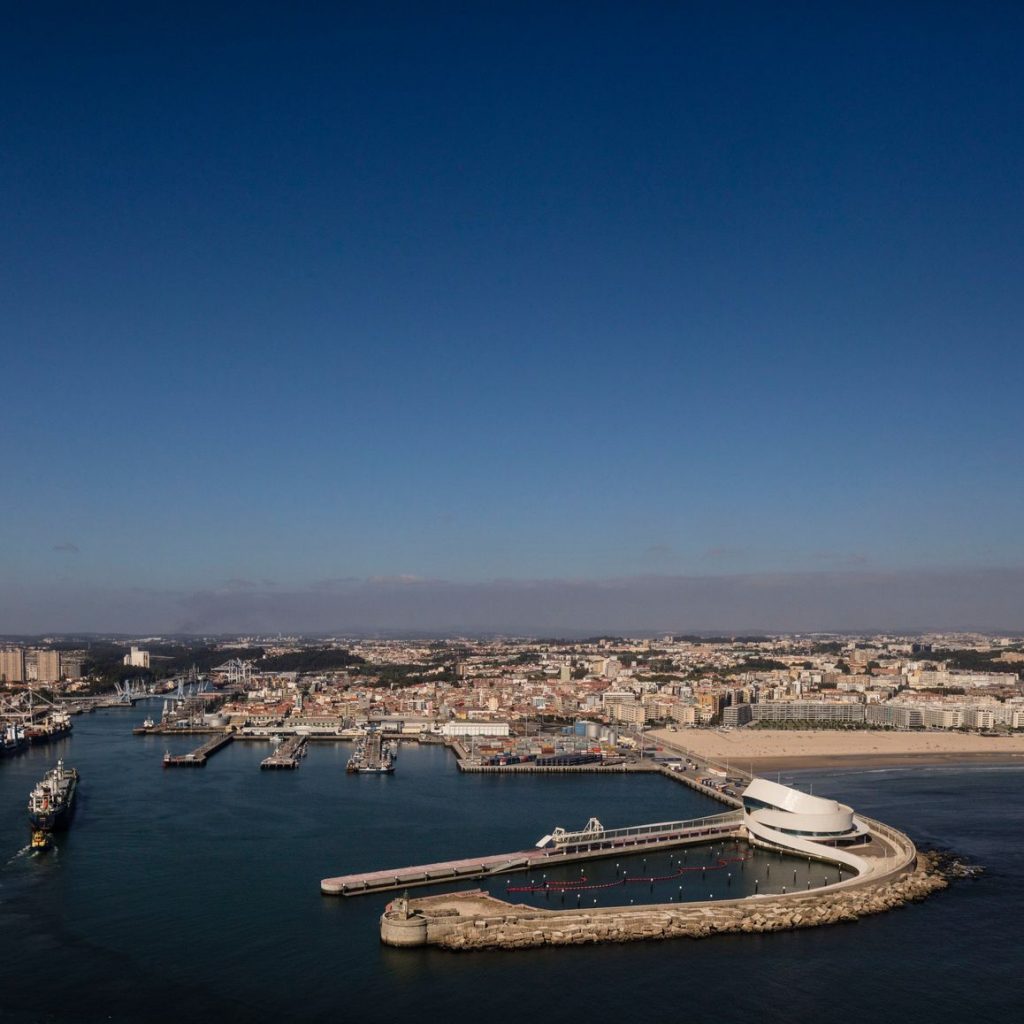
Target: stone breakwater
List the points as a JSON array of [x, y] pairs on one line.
[[468, 921]]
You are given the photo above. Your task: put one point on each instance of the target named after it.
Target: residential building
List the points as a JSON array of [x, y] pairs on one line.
[[807, 711], [737, 714], [137, 658], [47, 666], [12, 665]]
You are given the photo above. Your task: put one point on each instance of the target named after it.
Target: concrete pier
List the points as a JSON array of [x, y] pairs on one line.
[[584, 846], [287, 755], [198, 757]]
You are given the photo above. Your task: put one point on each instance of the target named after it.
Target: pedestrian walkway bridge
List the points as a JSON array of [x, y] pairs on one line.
[[594, 836]]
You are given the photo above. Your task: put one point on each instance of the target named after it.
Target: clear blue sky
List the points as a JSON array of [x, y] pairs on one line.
[[479, 292]]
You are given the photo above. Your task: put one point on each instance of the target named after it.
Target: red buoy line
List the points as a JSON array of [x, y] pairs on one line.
[[585, 885]]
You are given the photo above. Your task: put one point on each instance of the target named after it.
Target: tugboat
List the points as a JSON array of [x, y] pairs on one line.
[[51, 804], [40, 840]]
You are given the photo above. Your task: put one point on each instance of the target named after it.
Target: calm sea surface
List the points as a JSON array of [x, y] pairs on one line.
[[193, 894]]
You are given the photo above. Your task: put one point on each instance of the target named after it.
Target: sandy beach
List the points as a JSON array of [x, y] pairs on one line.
[[767, 750]]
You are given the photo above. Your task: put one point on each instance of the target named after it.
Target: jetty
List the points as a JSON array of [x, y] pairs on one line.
[[198, 757], [287, 755], [560, 847], [373, 755]]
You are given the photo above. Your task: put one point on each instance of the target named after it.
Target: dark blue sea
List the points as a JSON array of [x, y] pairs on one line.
[[193, 894]]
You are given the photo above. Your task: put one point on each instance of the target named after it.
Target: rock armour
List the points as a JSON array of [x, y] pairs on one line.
[[748, 917]]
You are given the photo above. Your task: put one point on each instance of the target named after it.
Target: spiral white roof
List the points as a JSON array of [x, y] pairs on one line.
[[790, 818]]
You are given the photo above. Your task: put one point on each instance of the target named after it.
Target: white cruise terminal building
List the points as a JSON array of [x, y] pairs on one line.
[[779, 816]]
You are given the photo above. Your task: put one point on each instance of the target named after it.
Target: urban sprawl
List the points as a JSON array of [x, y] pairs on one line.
[[600, 695]]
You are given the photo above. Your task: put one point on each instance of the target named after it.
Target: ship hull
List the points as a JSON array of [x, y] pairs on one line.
[[49, 736], [51, 821]]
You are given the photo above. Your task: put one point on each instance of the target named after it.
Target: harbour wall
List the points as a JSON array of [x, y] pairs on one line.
[[476, 920]]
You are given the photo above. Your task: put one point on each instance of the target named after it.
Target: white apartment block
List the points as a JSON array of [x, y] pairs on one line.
[[137, 658]]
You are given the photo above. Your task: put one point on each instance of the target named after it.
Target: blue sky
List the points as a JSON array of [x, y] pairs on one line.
[[481, 293]]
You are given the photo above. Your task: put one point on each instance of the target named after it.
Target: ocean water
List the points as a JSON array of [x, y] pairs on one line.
[[193, 894]]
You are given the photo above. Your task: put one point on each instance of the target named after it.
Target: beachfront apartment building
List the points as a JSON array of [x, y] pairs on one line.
[[904, 715], [686, 714], [807, 711], [737, 714], [940, 717], [1011, 714], [897, 716], [979, 718]]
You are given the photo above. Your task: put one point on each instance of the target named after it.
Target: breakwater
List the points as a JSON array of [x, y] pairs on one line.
[[476, 921], [890, 872]]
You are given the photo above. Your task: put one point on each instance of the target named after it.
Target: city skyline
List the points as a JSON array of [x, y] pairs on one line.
[[697, 317]]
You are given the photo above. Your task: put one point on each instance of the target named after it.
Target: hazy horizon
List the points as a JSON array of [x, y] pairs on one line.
[[852, 602]]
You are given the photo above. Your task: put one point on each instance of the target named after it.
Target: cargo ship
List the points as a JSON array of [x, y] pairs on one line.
[[51, 804], [54, 726]]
